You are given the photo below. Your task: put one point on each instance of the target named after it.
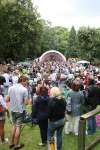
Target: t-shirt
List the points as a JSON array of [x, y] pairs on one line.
[[17, 94], [7, 78], [77, 99]]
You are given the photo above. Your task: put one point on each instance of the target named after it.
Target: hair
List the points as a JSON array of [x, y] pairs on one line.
[[2, 80], [34, 89], [22, 79], [75, 86], [39, 81], [55, 91], [91, 81], [43, 91]]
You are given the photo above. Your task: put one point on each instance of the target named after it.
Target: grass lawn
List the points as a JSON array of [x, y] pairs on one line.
[[30, 136]]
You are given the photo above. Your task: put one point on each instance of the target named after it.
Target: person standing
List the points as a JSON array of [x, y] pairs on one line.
[[56, 116], [91, 102], [40, 113], [3, 109], [76, 100], [18, 97]]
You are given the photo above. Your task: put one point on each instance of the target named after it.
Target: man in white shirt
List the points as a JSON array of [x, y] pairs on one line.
[[7, 77], [18, 96]]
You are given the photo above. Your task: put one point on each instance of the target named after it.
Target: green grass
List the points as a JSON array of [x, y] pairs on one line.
[[30, 136]]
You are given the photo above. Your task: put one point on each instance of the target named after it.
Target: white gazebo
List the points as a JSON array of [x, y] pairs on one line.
[[52, 55]]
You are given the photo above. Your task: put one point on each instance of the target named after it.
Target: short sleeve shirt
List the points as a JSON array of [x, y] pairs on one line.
[[17, 94]]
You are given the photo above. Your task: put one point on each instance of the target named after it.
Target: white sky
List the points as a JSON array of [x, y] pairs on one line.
[[70, 12]]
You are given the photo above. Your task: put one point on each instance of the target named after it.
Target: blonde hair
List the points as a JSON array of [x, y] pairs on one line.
[[55, 91]]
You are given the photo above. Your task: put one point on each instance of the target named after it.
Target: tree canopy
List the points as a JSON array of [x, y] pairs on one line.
[[20, 29], [23, 33]]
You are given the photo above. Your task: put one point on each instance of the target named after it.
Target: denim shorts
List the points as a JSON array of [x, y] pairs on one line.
[[17, 118]]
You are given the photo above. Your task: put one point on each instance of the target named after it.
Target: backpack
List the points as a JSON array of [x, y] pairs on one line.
[[92, 98]]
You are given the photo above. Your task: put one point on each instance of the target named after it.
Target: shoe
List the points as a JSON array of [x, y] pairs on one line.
[[76, 134], [5, 141], [86, 133], [11, 146], [19, 147], [41, 144], [67, 133]]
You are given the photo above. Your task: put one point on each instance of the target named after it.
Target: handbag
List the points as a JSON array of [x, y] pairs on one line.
[[27, 118], [35, 121]]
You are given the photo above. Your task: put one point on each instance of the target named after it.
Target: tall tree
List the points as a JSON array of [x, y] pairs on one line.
[[72, 42], [88, 42], [54, 38], [60, 38], [20, 31], [26, 3]]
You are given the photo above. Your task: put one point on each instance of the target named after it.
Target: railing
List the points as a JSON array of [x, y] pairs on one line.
[[82, 131]]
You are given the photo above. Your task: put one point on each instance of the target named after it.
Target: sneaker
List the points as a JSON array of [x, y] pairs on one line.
[[18, 146], [86, 133], [5, 141], [67, 133], [41, 144], [76, 134]]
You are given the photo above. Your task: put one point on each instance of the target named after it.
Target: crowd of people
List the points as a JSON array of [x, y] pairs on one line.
[[59, 93]]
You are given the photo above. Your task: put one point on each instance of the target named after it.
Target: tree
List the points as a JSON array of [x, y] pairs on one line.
[[97, 44], [88, 42], [54, 38], [25, 3], [72, 42], [20, 31], [60, 38]]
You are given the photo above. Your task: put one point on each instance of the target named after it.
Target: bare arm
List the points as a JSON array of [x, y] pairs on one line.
[[26, 101], [7, 99]]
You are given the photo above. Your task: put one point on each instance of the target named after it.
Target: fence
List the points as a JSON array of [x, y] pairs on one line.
[[82, 131]]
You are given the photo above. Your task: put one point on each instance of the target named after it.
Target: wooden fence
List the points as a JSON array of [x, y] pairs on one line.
[[82, 131]]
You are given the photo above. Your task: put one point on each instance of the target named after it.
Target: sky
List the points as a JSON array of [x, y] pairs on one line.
[[67, 13]]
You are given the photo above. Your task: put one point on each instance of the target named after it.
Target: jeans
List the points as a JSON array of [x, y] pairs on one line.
[[58, 127], [72, 125], [91, 125], [43, 125]]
